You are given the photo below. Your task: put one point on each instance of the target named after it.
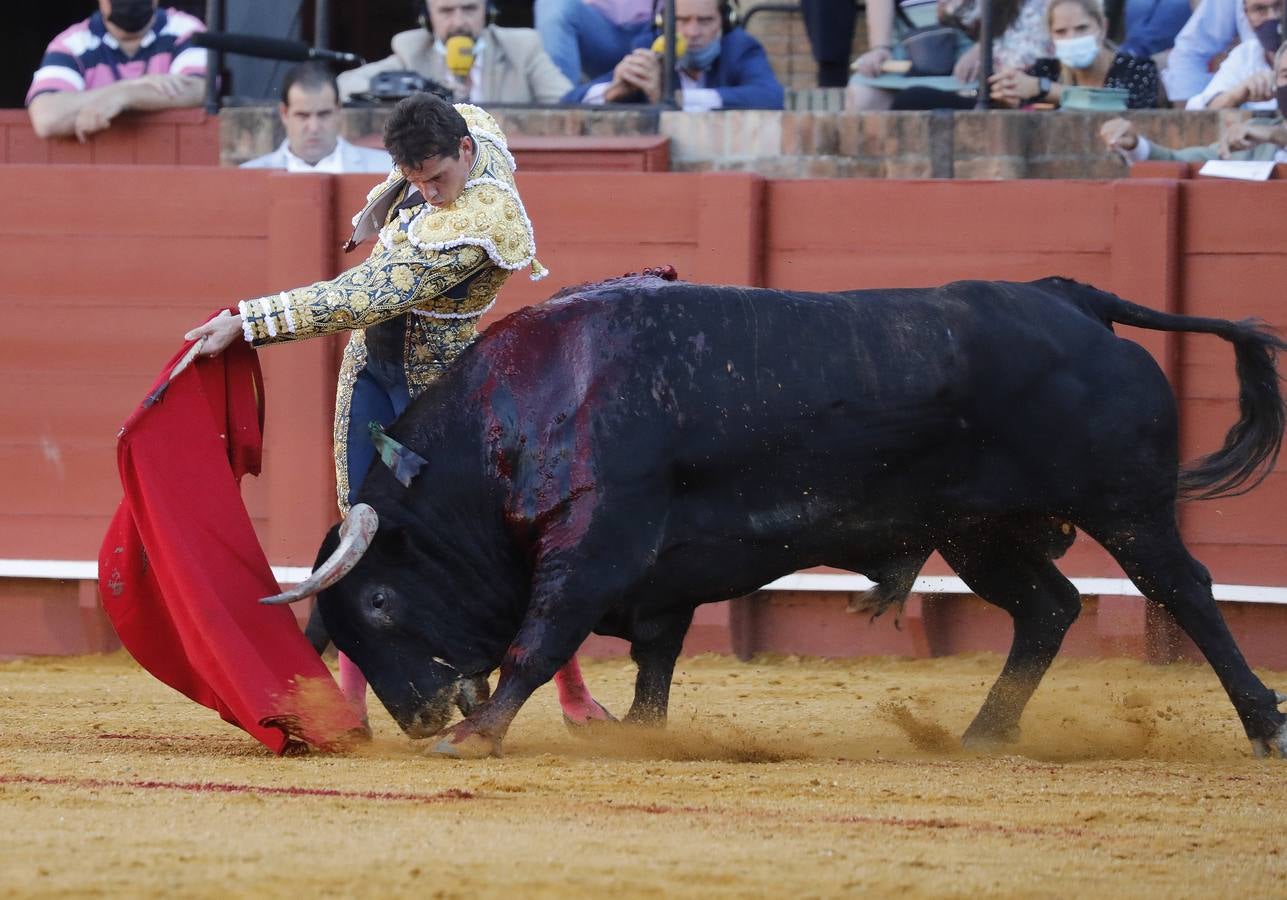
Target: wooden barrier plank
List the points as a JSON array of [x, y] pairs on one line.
[[78, 268], [882, 267], [299, 378], [165, 201], [861, 216], [1233, 217]]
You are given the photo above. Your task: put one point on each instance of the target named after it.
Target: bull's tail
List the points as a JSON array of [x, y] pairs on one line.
[[1251, 447]]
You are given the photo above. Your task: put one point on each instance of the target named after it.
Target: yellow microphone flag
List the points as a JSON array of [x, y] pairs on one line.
[[681, 46], [460, 54]]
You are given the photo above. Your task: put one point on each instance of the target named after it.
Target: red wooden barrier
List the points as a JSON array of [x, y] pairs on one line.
[[186, 137], [100, 283]]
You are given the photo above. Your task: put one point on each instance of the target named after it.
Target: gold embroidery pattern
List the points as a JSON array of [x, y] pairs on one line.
[[487, 215], [365, 295], [353, 362]]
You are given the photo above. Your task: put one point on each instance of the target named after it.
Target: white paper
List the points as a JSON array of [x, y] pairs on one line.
[[1247, 170]]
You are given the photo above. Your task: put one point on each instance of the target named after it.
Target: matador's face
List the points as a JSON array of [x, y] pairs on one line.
[[441, 179]]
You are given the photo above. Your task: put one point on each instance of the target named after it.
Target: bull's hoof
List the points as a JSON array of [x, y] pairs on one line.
[[584, 718], [1274, 746], [982, 740], [461, 742]]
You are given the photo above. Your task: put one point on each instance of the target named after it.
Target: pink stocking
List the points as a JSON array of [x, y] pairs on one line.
[[579, 708], [353, 685]]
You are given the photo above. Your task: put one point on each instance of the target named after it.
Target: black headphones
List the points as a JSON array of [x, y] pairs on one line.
[[728, 16], [422, 15]]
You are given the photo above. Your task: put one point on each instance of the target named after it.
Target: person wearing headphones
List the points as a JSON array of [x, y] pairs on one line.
[[496, 65], [720, 66]]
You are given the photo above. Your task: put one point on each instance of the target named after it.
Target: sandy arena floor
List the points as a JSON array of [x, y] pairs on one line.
[[784, 777]]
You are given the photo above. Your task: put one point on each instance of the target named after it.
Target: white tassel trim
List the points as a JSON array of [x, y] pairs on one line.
[[245, 320], [429, 314]]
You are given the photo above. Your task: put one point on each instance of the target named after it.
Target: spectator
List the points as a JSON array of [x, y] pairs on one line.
[[510, 65], [887, 24], [1151, 26], [1246, 77], [722, 67], [1254, 138], [830, 26], [1024, 38], [1082, 58], [588, 37], [127, 56], [310, 112], [1214, 27]]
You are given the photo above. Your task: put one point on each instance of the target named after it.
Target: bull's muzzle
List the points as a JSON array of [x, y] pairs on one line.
[[465, 694]]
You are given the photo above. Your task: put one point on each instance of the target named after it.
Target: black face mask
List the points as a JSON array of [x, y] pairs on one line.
[[1268, 35], [1281, 93], [131, 16]]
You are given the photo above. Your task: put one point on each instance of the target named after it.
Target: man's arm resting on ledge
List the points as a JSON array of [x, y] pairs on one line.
[[64, 113]]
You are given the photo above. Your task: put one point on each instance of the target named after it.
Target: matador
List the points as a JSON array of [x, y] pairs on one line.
[[451, 229]]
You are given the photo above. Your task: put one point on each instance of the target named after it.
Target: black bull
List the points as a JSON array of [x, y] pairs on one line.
[[611, 459]]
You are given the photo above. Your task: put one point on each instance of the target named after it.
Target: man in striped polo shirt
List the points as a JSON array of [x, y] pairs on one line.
[[128, 55]]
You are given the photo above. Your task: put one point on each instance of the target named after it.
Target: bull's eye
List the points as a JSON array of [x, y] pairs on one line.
[[377, 600]]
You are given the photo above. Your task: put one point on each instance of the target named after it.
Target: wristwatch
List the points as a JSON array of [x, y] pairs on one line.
[[1043, 88]]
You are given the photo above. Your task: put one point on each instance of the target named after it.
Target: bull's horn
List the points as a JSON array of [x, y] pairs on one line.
[[355, 536]]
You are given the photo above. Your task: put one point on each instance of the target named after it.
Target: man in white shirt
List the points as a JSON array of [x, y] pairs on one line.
[[310, 111], [1214, 27], [1245, 78]]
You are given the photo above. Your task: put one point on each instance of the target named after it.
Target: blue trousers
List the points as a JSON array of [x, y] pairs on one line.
[[379, 395]]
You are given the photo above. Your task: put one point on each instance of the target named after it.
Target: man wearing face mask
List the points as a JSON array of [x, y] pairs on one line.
[[129, 55], [720, 68], [1245, 78], [1250, 139], [501, 65]]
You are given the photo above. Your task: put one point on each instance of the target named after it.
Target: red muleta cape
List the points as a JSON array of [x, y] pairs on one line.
[[181, 571]]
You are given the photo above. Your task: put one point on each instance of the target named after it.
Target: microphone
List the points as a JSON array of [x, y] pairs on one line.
[[271, 48], [460, 54], [659, 46]]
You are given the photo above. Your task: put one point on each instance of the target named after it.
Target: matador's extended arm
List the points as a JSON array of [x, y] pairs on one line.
[[388, 284]]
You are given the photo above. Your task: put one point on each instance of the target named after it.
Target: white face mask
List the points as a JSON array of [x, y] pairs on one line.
[[1078, 52]]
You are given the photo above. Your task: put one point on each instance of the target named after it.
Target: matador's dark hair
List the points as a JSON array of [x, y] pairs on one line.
[[423, 126]]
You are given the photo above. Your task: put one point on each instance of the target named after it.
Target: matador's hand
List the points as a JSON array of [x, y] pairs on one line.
[[217, 334]]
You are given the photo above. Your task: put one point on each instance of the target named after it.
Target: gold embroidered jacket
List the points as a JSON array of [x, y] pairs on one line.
[[441, 268], [437, 265]]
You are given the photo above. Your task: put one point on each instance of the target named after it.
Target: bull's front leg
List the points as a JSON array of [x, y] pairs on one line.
[[546, 642]]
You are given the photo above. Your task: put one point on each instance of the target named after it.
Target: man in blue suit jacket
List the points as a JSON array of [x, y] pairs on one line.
[[721, 68]]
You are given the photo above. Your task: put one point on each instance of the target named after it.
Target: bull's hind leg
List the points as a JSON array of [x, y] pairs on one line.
[[1154, 556], [1021, 579], [655, 647]]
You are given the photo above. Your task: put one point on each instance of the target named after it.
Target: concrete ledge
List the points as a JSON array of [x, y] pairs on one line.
[[811, 143]]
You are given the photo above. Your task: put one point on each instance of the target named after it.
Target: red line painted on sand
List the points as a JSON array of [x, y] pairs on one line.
[[215, 787]]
